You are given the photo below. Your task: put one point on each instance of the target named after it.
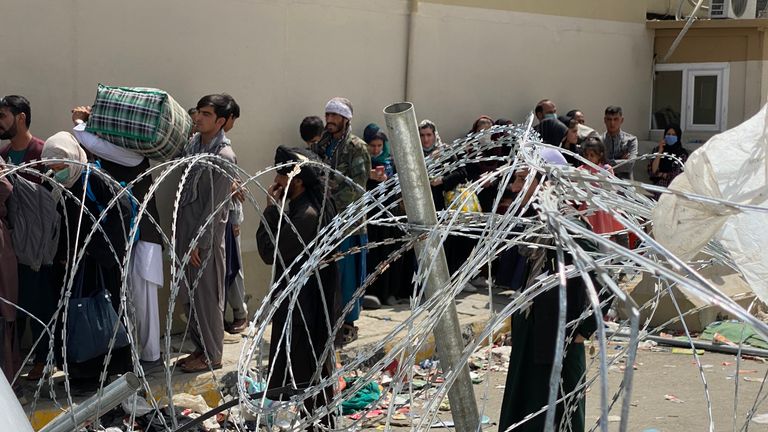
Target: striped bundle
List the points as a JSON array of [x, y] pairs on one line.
[[145, 120]]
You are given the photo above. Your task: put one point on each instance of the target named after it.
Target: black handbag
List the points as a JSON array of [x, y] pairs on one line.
[[92, 322]]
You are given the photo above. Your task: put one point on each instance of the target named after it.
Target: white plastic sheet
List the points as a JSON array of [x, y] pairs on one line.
[[731, 166]]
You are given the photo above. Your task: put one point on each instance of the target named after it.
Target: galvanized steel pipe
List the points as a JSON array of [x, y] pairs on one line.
[[420, 209], [112, 395]]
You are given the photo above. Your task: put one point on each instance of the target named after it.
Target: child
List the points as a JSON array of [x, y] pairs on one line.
[[594, 151]]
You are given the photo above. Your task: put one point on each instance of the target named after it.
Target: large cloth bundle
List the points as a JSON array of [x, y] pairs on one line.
[[145, 120]]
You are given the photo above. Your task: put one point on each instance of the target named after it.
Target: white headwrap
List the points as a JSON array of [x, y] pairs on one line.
[[340, 106], [64, 146]]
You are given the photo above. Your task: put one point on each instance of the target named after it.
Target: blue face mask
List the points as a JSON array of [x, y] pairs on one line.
[[670, 139], [62, 175], [550, 116]]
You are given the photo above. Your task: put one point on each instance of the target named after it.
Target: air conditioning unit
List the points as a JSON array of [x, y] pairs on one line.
[[735, 9]]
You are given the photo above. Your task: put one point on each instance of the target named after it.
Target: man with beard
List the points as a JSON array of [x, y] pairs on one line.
[[310, 321], [349, 155], [35, 292]]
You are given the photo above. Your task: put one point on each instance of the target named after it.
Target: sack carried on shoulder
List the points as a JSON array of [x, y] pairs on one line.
[[462, 199], [146, 120], [91, 322]]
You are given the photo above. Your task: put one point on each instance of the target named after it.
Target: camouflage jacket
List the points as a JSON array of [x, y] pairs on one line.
[[352, 159]]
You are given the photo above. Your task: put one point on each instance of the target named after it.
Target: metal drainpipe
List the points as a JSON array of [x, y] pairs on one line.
[[420, 209], [413, 8], [112, 395]]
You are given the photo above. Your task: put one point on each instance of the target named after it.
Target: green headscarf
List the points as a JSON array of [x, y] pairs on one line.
[[368, 134]]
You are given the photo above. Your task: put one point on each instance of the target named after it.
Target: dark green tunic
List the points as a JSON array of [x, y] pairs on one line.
[[534, 333]]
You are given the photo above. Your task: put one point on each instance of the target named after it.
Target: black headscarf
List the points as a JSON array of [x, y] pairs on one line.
[[677, 149]]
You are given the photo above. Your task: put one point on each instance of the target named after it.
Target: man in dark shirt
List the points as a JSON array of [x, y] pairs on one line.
[[551, 130], [35, 292], [308, 210], [15, 118]]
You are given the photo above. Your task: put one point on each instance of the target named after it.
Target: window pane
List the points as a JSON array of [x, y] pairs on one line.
[[705, 99], [667, 94]]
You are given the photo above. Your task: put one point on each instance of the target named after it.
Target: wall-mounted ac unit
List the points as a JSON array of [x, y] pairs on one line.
[[736, 9]]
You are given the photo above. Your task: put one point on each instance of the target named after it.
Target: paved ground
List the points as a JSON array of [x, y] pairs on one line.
[[658, 374], [472, 309]]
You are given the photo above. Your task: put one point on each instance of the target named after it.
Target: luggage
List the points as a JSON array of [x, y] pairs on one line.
[[145, 120]]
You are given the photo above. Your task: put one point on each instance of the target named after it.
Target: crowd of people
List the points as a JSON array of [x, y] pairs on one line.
[[209, 256]]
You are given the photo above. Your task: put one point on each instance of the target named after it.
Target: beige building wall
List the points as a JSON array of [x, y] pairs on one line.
[[470, 61], [743, 44], [282, 59]]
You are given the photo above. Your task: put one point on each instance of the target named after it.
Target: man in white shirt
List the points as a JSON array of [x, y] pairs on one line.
[[145, 276]]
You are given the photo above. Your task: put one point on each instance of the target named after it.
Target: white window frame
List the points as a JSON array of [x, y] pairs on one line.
[[690, 71]]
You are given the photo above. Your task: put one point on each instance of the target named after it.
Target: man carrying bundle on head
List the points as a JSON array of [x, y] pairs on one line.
[[145, 277]]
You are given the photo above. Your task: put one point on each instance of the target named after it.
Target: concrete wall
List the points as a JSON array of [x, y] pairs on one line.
[[282, 59], [471, 61]]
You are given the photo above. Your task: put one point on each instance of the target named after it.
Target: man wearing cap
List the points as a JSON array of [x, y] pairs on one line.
[[534, 326], [311, 320], [347, 154]]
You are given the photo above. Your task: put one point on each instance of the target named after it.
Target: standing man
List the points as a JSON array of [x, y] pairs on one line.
[[35, 292], [145, 276], [311, 320], [349, 155], [549, 128], [203, 282], [619, 145], [235, 280]]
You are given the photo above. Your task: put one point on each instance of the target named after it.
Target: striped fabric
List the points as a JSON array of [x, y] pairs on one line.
[[145, 120], [127, 112]]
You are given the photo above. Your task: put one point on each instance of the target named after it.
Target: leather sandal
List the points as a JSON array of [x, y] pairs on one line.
[[199, 365], [185, 360]]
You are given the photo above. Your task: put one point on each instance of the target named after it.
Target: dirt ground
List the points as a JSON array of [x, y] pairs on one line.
[[659, 374]]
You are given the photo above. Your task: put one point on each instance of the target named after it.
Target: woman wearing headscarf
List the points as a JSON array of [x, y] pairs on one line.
[[100, 266], [535, 326], [388, 287], [460, 247], [662, 170], [9, 287]]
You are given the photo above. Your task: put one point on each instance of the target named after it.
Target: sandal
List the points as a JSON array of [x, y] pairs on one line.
[[199, 364], [187, 359]]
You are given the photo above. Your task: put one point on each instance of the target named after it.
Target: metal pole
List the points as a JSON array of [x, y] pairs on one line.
[[417, 196], [112, 395]]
